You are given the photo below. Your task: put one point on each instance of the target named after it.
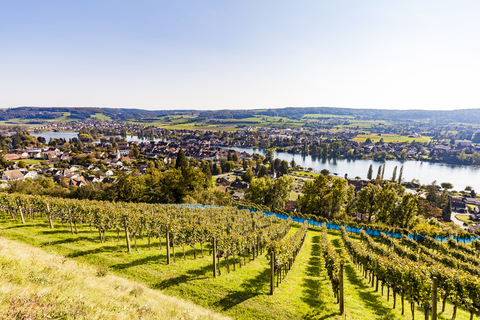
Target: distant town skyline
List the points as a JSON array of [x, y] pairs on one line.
[[242, 55]]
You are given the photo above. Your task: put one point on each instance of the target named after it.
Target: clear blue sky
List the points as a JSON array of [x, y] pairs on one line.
[[240, 54]]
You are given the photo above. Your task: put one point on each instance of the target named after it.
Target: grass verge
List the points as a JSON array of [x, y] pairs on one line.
[[38, 285]]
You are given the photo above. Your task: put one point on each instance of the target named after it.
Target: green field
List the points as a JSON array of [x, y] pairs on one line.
[[389, 138], [29, 161], [101, 117], [242, 294], [463, 218], [326, 116]]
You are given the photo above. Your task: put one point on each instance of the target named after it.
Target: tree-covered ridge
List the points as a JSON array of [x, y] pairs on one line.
[[82, 113]]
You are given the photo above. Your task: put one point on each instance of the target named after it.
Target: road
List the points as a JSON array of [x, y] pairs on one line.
[[456, 221]]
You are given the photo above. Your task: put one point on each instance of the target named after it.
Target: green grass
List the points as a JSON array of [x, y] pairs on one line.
[[37, 285], [101, 117], [319, 115], [389, 138], [466, 219], [29, 161], [306, 174], [242, 294]]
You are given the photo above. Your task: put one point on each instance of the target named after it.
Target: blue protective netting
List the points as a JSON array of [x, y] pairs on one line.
[[367, 231], [337, 226]]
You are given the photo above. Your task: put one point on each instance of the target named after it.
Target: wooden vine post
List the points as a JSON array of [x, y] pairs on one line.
[[168, 245], [272, 272], [434, 298], [342, 302], [214, 257], [127, 236]]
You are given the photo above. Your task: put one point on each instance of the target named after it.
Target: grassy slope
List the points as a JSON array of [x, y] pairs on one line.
[[242, 294], [38, 285]]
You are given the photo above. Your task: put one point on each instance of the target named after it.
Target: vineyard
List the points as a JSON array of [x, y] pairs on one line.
[[246, 265]]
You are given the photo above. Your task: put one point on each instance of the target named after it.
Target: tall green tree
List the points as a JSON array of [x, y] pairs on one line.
[[268, 157], [407, 209], [248, 175], [367, 200], [181, 162], [394, 175], [284, 167], [263, 172], [400, 176], [379, 174], [386, 201], [324, 196], [370, 172], [271, 193]]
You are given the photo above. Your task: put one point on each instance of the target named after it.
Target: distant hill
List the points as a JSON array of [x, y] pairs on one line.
[[471, 116]]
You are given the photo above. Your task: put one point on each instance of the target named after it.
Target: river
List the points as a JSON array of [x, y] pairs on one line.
[[459, 175]]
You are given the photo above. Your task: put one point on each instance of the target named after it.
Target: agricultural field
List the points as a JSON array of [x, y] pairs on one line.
[[325, 116], [101, 117], [390, 138], [241, 288]]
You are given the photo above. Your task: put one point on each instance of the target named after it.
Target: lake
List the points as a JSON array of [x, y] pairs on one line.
[[459, 175]]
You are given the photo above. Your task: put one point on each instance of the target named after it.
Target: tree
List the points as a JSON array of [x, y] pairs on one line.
[[447, 212], [22, 164], [277, 164], [383, 171], [263, 172], [284, 167], [293, 164], [325, 172], [446, 185], [394, 176], [367, 200], [400, 176], [473, 194], [208, 174], [379, 174], [272, 193], [432, 193], [181, 161], [323, 196], [248, 175], [257, 191], [268, 157], [136, 152], [406, 210], [216, 170], [430, 209], [386, 201], [305, 148], [370, 172], [235, 157], [258, 164], [280, 191]]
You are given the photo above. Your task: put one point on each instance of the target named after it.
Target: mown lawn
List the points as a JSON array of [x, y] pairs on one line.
[[242, 294]]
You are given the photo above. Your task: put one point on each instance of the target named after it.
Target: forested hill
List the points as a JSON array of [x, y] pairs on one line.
[[82, 113]]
